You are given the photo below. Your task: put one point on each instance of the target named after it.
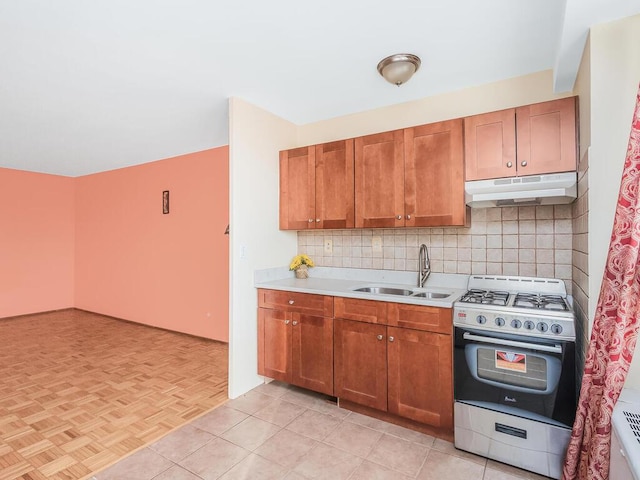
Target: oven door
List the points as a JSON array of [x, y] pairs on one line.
[[520, 375]]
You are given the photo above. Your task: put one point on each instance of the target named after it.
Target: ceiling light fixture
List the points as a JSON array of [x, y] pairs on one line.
[[399, 68]]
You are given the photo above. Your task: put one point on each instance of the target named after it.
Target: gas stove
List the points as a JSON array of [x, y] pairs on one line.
[[528, 306]]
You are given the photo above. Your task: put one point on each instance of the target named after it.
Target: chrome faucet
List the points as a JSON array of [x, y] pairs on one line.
[[424, 265]]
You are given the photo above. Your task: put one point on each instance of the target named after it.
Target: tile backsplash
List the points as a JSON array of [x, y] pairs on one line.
[[528, 241]]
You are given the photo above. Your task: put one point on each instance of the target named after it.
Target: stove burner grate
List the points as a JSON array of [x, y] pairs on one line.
[[540, 302], [485, 297]]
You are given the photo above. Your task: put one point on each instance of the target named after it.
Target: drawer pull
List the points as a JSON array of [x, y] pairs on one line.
[[286, 322], [291, 302], [391, 339], [379, 337], [295, 323]]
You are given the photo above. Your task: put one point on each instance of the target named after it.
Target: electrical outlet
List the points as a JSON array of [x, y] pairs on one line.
[[376, 244], [328, 246]]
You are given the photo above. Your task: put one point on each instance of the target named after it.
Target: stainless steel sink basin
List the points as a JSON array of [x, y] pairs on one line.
[[385, 291], [431, 295]]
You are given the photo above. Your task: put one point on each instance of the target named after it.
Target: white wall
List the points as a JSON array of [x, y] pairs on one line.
[[615, 74], [255, 138], [533, 88]]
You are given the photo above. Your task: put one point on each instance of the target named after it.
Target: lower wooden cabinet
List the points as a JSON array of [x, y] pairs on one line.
[[360, 357], [296, 348], [420, 376]]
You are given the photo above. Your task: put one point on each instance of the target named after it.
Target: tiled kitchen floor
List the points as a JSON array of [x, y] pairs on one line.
[[280, 432]]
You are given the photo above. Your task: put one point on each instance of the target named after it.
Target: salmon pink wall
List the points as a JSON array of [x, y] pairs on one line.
[[169, 271], [36, 242]]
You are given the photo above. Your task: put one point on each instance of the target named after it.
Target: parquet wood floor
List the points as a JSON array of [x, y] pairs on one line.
[[78, 391]]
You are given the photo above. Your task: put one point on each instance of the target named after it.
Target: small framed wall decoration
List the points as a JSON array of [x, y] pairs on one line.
[[165, 202]]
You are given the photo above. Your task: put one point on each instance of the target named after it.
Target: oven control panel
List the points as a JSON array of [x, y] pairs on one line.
[[516, 323]]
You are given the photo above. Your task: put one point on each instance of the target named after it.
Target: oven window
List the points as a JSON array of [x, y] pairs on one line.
[[512, 368]]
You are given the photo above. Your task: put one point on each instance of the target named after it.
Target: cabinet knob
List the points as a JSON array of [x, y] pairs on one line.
[[295, 323], [391, 339], [399, 217], [379, 337], [291, 302], [509, 164], [408, 217], [524, 163], [286, 322], [310, 220], [317, 220]]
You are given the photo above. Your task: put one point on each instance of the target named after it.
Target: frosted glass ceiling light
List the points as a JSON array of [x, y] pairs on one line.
[[399, 68]]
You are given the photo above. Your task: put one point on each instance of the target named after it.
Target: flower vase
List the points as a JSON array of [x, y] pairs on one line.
[[302, 271]]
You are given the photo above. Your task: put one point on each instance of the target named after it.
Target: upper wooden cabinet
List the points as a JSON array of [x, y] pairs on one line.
[[411, 178], [316, 187], [434, 175], [529, 140], [379, 180]]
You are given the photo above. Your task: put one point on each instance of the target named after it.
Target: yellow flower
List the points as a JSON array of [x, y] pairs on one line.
[[299, 260]]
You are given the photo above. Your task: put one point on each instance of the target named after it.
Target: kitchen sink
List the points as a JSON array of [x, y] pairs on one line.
[[431, 295], [403, 292], [385, 291]]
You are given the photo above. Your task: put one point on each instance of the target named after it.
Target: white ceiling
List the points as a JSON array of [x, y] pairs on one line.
[[88, 86]]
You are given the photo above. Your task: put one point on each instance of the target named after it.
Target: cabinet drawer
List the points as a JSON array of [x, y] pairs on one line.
[[370, 311], [430, 319], [296, 302]]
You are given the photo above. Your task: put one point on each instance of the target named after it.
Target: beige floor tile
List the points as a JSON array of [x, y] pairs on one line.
[[448, 448], [353, 438], [398, 454], [324, 462], [286, 448], [181, 443], [255, 468], [367, 421], [440, 466], [329, 407], [142, 465], [251, 433], [371, 471], [219, 420], [314, 425], [214, 459], [411, 435], [177, 473], [273, 389], [491, 474], [250, 402], [510, 469], [280, 412], [302, 397], [294, 476]]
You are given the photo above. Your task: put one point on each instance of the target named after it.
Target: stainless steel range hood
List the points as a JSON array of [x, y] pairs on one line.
[[551, 189]]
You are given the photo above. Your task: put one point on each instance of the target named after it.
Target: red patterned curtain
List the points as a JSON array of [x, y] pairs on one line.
[[615, 328]]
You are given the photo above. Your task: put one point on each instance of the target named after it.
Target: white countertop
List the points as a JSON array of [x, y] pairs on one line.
[[341, 282]]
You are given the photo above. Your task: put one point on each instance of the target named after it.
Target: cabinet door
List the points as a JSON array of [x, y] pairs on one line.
[[490, 145], [420, 383], [547, 137], [334, 185], [434, 175], [360, 356], [312, 356], [274, 344], [297, 188], [379, 180]]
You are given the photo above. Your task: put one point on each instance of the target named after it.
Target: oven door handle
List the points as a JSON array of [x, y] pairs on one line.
[[512, 343]]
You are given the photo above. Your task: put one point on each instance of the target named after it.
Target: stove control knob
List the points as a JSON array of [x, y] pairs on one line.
[[500, 321], [481, 319], [529, 325], [515, 323], [542, 327], [557, 329]]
